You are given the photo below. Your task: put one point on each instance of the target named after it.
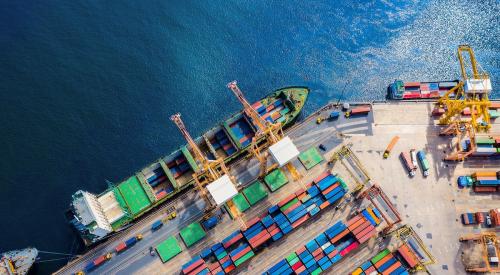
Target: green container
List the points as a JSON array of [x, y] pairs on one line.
[[244, 258], [255, 192], [192, 233], [380, 255], [293, 261], [292, 256], [484, 140], [317, 271], [310, 158], [168, 249], [342, 182], [275, 180], [289, 204], [222, 255], [240, 202]]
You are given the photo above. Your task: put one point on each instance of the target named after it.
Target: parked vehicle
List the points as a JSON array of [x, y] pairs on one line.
[[479, 217], [361, 110], [156, 225], [488, 220], [322, 147], [389, 148], [468, 218], [405, 157], [334, 115], [95, 263], [423, 162], [210, 222], [413, 155], [151, 251], [128, 243]]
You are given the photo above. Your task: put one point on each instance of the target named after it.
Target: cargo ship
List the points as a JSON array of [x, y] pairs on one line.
[[400, 90], [95, 217], [17, 262]]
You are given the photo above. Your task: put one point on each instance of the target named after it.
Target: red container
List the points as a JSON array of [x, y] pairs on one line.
[[361, 227], [322, 176], [297, 265], [367, 236], [217, 270], [291, 208], [241, 253], [309, 184], [361, 110], [339, 236], [349, 248], [275, 231], [299, 192], [252, 222], [232, 241], [353, 220], [333, 254], [214, 266], [329, 189], [286, 200], [229, 268], [269, 108], [408, 256], [99, 260], [300, 269], [119, 248], [484, 189], [316, 252], [300, 250], [357, 223], [300, 221], [365, 231], [225, 259], [193, 266], [198, 269], [411, 84], [319, 257]]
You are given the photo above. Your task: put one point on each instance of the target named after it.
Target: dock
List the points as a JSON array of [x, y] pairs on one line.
[[430, 205]]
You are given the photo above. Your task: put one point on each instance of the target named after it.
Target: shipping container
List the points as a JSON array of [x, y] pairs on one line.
[[406, 159], [423, 162]]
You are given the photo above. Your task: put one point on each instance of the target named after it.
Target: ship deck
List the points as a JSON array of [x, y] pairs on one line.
[[430, 205]]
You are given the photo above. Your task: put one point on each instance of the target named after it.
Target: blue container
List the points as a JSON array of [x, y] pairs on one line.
[[335, 230], [336, 258], [399, 270], [314, 211], [327, 264], [333, 192], [226, 264], [267, 221], [310, 263], [216, 246], [337, 197], [277, 236], [366, 265], [321, 239], [368, 217], [313, 267], [205, 253], [156, 225], [277, 266], [387, 264], [327, 182], [329, 249], [313, 191], [312, 245], [186, 265]]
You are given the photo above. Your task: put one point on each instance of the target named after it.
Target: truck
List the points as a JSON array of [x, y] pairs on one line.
[[95, 263], [128, 243], [388, 150], [468, 218], [405, 157], [334, 115], [413, 155], [423, 162], [210, 223], [361, 110], [156, 225]]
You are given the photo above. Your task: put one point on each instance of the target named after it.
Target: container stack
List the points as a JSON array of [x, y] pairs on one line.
[[494, 110], [281, 219], [468, 218], [486, 181], [196, 266], [487, 146], [495, 216], [362, 227], [320, 253], [221, 140], [365, 268], [242, 131], [408, 255], [387, 264], [273, 112], [178, 166]]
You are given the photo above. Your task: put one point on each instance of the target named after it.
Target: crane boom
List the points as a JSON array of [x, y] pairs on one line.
[[176, 118], [249, 110]]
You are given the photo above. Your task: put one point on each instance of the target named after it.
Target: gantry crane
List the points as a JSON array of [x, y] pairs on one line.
[[490, 246], [471, 92], [461, 129], [267, 134], [408, 236], [208, 170], [371, 194]]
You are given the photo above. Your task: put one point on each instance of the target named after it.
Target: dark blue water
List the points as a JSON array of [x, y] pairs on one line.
[[87, 86]]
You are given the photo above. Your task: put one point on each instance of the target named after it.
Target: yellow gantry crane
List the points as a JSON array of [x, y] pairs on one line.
[[490, 246], [267, 134], [471, 92], [208, 170]]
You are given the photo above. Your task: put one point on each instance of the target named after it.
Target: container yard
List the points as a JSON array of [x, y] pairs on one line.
[[287, 219], [393, 187]]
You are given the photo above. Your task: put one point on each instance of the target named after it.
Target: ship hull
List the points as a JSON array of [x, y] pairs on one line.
[[172, 175]]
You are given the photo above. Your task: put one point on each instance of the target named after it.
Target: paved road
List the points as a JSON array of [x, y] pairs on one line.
[[190, 206]]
